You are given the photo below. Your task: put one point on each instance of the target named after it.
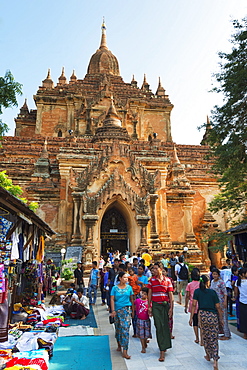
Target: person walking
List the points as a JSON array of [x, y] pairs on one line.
[[122, 308], [159, 294], [182, 274], [218, 285], [209, 304], [143, 321], [191, 287], [240, 290], [93, 283]]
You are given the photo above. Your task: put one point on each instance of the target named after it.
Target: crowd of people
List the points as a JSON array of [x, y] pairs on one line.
[[134, 289]]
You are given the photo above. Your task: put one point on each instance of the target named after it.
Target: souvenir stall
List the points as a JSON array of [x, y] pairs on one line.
[[25, 324]]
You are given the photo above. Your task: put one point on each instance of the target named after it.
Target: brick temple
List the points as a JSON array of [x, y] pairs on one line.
[[98, 156]]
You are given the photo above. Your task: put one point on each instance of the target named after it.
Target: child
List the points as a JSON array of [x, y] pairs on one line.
[[132, 278], [133, 281], [143, 321]]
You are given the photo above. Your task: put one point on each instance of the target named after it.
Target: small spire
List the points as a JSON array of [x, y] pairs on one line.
[[73, 76], [112, 116], [48, 74], [207, 132], [48, 83], [160, 90], [175, 155], [133, 82], [44, 153], [62, 79], [103, 43], [145, 85]]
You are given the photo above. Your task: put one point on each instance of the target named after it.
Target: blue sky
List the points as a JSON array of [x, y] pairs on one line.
[[176, 40]]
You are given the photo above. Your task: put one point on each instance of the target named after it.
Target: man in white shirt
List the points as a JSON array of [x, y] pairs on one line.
[[81, 305]]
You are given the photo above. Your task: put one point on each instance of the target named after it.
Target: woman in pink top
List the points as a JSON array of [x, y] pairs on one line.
[[191, 287], [143, 325]]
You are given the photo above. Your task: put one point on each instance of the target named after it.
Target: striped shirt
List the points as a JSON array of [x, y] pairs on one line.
[[160, 289]]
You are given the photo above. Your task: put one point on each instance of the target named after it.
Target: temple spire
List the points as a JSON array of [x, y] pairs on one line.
[[160, 90], [48, 83], [103, 44], [207, 132], [62, 79], [145, 85]]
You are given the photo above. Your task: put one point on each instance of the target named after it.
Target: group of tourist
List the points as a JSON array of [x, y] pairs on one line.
[[134, 290]]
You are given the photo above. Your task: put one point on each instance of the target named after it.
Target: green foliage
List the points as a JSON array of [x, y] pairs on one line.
[[7, 184], [67, 274], [9, 89], [228, 135], [15, 190], [219, 240]]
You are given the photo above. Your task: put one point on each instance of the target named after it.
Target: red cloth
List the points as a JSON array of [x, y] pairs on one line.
[[27, 362], [52, 320], [160, 289]]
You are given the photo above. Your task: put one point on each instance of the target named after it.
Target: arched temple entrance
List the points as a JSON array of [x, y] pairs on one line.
[[113, 232]]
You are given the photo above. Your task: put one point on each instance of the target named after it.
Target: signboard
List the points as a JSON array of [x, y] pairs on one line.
[[56, 257], [74, 252]]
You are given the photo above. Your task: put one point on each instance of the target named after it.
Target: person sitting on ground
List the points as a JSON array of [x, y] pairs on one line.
[[81, 305], [143, 321], [182, 274], [191, 287], [68, 301]]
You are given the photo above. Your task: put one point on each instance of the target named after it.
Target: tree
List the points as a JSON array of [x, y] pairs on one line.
[[15, 190], [9, 89], [228, 134]]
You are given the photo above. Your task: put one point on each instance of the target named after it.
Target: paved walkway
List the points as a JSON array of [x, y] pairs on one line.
[[185, 354]]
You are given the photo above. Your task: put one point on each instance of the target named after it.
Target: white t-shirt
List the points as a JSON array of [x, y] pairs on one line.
[[177, 269], [242, 291], [84, 300], [226, 275]]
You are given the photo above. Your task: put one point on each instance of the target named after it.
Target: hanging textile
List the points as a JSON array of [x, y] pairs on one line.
[[4, 315], [41, 249]]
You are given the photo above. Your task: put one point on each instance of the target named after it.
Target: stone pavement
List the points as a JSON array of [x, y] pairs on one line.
[[185, 354]]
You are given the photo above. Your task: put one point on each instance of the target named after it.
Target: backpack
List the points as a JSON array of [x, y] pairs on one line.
[[183, 273]]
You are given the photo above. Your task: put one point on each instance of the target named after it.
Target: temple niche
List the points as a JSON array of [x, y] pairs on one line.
[[98, 156]]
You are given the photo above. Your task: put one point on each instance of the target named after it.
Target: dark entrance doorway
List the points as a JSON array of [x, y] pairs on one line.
[[113, 232]]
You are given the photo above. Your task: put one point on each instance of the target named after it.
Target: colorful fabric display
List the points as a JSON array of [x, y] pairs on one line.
[[20, 367], [6, 354], [4, 227], [27, 362], [39, 353]]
